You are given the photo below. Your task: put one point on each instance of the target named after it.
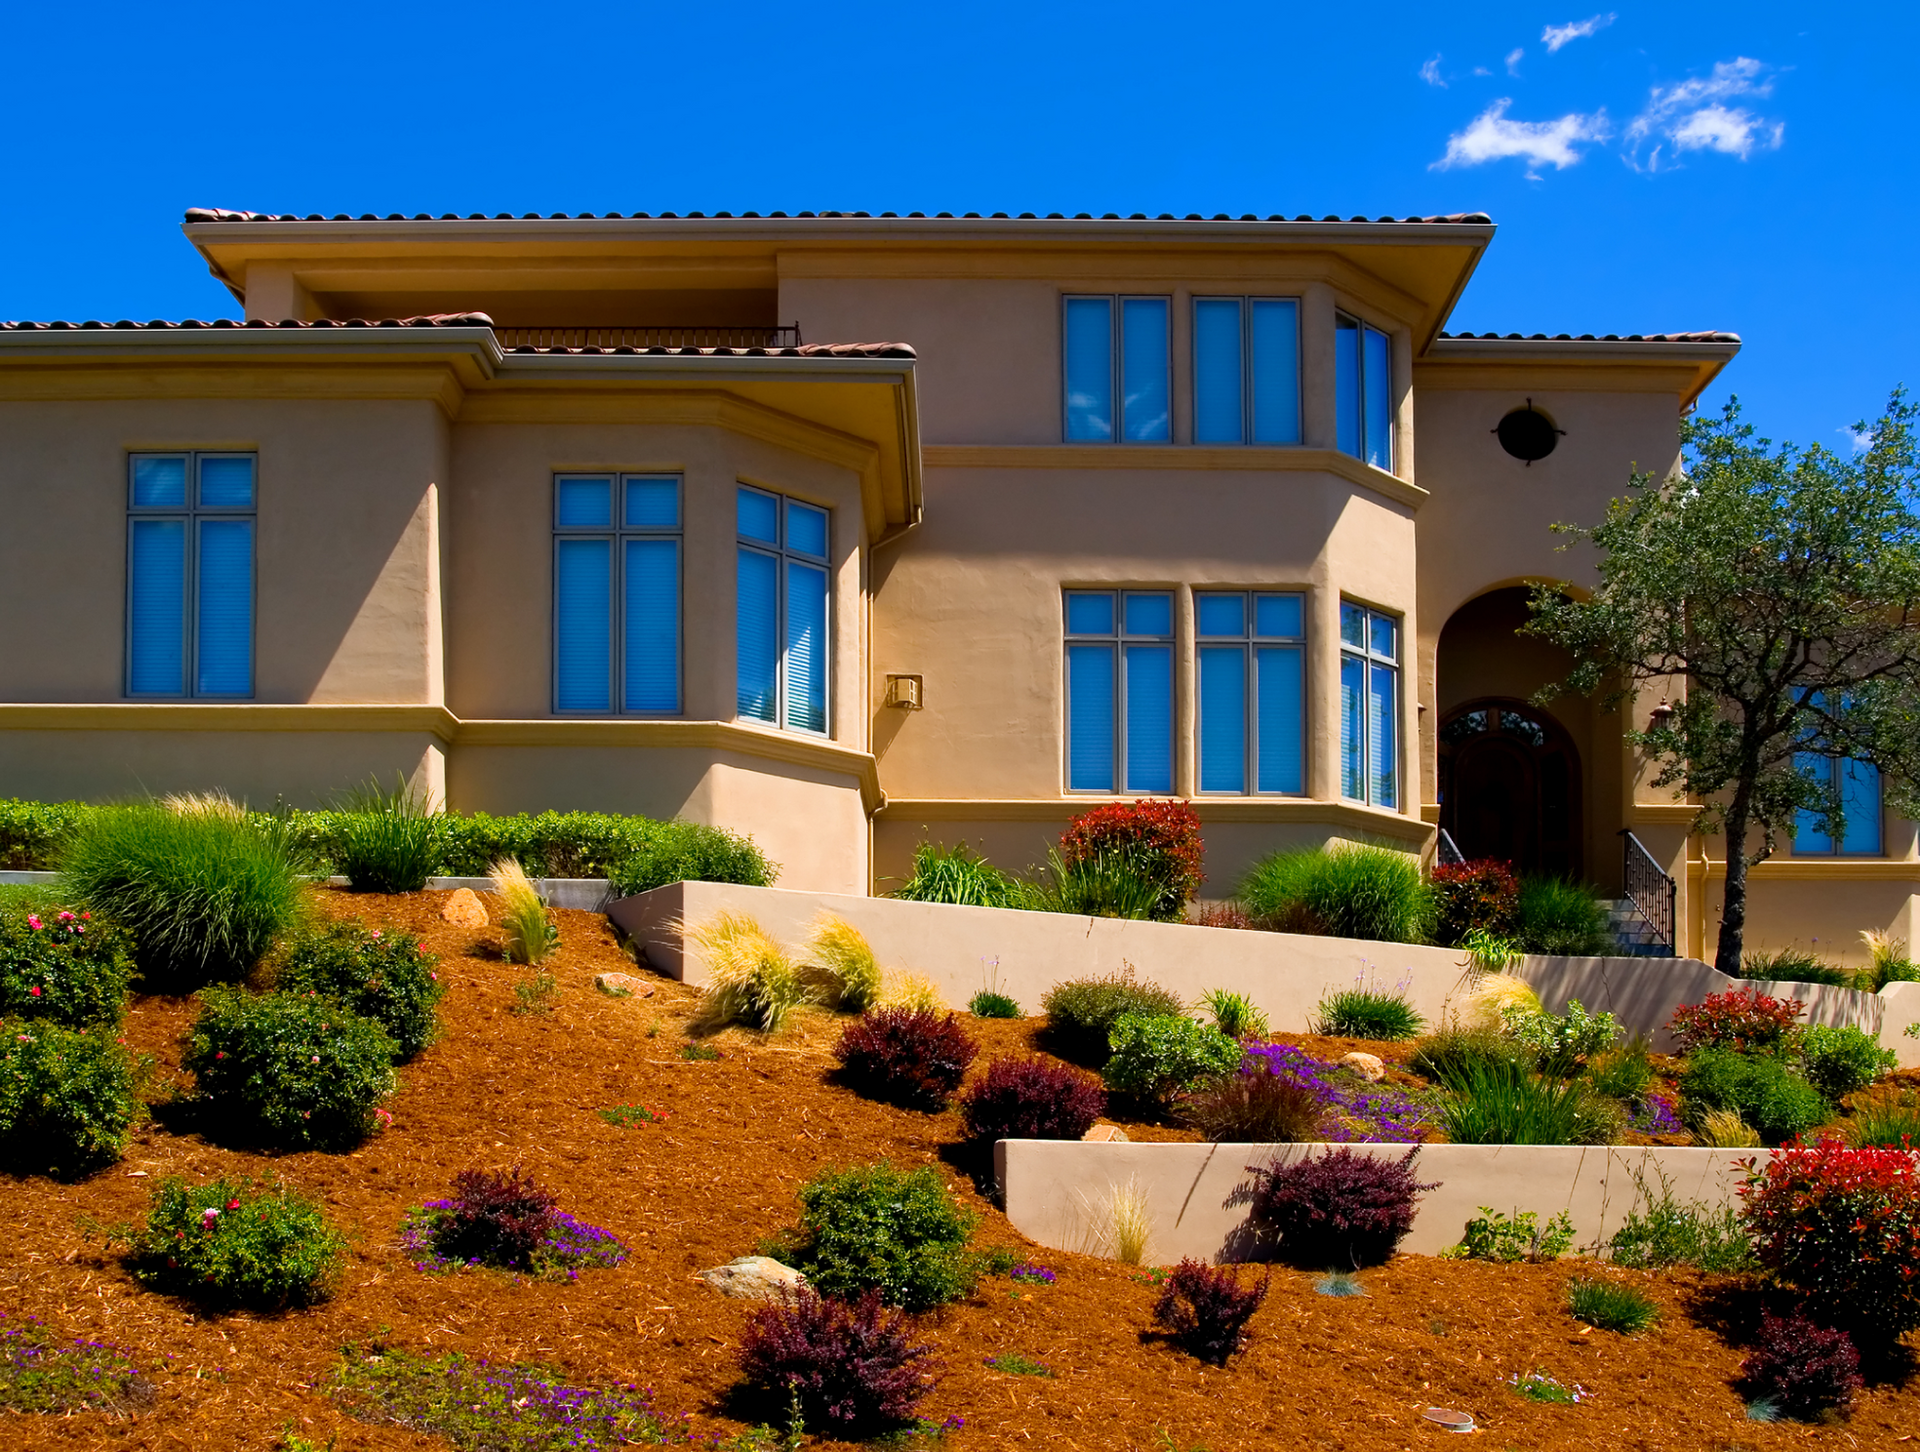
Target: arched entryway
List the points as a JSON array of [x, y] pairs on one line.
[[1510, 786]]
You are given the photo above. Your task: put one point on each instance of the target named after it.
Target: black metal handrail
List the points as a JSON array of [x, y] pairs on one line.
[[1446, 852], [716, 335], [1654, 894]]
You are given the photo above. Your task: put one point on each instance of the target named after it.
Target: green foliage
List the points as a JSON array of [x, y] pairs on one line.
[[1082, 1011], [1561, 917], [1887, 962], [842, 952], [1491, 1102], [1660, 1231], [387, 841], [32, 833], [1888, 1117], [1157, 839], [1158, 1056], [62, 966], [1763, 1090], [1839, 1060], [958, 875], [874, 1226], [1794, 965], [238, 1243], [1559, 1042], [1610, 1306], [294, 1070], [67, 1098], [1012, 1363], [381, 974], [1351, 890], [204, 892], [1624, 1073], [698, 1053], [751, 978], [988, 1004], [536, 995], [676, 851], [1446, 1054], [1234, 1014], [1538, 1386], [39, 1377], [1101, 885], [1366, 1012], [1491, 1235]]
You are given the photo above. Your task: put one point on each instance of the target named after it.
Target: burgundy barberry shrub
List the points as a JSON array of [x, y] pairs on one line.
[[1480, 894], [1338, 1209], [499, 1218], [1034, 1098], [1801, 1368], [1842, 1227], [910, 1056], [1207, 1309], [851, 1364], [1739, 1019], [1159, 836]]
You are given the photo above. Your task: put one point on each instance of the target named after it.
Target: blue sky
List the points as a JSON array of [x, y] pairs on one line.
[[1653, 168]]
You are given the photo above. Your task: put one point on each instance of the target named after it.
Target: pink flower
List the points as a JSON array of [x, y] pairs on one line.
[[316, 1058], [34, 991], [33, 922], [376, 932], [66, 917], [233, 1204], [221, 1055]]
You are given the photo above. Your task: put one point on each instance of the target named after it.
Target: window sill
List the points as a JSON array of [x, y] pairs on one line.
[[1267, 457]]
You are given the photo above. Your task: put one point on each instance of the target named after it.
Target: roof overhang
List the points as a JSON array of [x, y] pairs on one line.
[[1689, 361]]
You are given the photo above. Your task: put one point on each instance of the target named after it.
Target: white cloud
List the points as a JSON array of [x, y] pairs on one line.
[[1513, 60], [1735, 132], [1556, 36], [1490, 136], [1693, 116], [1430, 73], [1861, 439]]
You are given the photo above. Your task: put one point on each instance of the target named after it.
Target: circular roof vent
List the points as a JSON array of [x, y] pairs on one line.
[[1528, 434]]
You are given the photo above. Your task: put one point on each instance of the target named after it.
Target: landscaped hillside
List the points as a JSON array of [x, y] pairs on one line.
[[718, 1173]]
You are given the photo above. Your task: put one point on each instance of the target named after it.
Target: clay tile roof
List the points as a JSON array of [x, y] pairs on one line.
[[221, 214], [1700, 337]]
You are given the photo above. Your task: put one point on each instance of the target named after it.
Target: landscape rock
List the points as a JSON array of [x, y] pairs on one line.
[[1367, 1066], [754, 1278], [464, 909], [623, 985], [1106, 1134]]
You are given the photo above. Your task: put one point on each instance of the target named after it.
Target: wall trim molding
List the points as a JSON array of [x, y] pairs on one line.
[[1215, 810], [1174, 458]]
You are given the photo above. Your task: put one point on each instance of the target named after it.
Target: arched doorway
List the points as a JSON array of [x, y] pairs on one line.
[[1510, 786]]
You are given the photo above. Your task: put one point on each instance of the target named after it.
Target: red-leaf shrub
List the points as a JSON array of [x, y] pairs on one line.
[[1159, 836], [851, 1365], [1801, 1368], [910, 1056], [1337, 1209], [1842, 1227], [497, 1218], [1482, 894], [1032, 1099], [1739, 1019], [1207, 1308]]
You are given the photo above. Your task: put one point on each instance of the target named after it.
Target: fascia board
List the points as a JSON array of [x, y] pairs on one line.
[[474, 346]]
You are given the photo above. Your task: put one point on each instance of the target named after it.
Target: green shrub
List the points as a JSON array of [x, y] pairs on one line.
[[1157, 839], [676, 851], [1793, 965], [380, 974], [1661, 1231], [1446, 1054], [62, 966], [33, 833], [1559, 1042], [1561, 917], [387, 841], [1103, 885], [1366, 1012], [875, 1227], [1624, 1073], [203, 890], [1491, 1102], [988, 1004], [1611, 1306], [1762, 1090], [1082, 1011], [1158, 1056], [1352, 890], [1838, 1061], [294, 1070], [1491, 1235], [67, 1098], [1234, 1014], [238, 1243], [958, 875]]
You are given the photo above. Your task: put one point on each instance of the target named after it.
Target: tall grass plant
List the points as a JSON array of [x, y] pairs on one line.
[[1350, 890], [388, 841]]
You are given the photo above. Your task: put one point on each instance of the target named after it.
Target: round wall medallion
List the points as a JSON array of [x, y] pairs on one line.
[[1528, 434]]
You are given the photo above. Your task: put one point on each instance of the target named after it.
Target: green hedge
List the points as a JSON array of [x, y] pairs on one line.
[[636, 853]]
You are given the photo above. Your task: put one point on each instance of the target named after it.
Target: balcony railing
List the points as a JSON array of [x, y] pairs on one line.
[[1445, 852], [688, 336]]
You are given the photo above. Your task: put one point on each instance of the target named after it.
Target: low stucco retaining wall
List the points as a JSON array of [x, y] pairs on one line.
[[1058, 1192], [965, 949]]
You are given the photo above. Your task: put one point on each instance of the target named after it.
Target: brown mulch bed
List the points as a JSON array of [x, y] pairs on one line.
[[720, 1173]]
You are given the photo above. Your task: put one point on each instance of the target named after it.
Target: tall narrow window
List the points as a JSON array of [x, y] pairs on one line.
[[1115, 370], [1363, 391], [1246, 370], [1369, 706], [616, 593], [190, 593], [1858, 785], [1119, 691], [783, 611], [1250, 696]]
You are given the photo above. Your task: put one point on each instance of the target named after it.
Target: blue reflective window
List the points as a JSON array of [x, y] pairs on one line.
[[190, 568], [616, 593], [1369, 706], [1119, 714], [1858, 785], [1246, 370], [1363, 391], [1273, 353], [1248, 697], [1115, 370], [783, 626], [1146, 412], [1088, 368], [1219, 380]]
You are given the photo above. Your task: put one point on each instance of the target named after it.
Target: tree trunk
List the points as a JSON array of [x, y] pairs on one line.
[[1733, 901]]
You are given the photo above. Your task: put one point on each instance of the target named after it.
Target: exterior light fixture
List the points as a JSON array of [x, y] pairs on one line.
[[905, 692]]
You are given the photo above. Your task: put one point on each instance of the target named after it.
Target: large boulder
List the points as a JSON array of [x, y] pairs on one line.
[[464, 909], [754, 1278]]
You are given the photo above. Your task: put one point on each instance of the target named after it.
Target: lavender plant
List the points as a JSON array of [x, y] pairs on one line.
[[508, 1222], [36, 1375], [1357, 1112]]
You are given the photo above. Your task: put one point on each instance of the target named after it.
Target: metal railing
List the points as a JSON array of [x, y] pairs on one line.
[[689, 336], [1654, 894], [1446, 852]]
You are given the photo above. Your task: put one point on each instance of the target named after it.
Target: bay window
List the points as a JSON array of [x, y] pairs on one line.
[[1369, 706], [1246, 370], [782, 622], [1363, 392], [1119, 649], [1250, 697], [1115, 370], [616, 593]]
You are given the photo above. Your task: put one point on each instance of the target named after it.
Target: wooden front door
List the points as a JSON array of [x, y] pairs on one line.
[[1509, 787]]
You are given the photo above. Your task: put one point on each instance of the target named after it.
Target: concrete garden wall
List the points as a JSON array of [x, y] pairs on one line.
[[965, 949]]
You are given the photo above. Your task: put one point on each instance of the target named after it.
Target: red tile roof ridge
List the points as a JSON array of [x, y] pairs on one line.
[[221, 214], [1698, 337]]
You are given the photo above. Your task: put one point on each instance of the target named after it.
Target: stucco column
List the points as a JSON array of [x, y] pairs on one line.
[[1317, 418], [1186, 780], [1323, 685], [1403, 403]]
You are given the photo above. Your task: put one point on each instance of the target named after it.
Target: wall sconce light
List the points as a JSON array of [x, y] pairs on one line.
[[1660, 715], [905, 692]]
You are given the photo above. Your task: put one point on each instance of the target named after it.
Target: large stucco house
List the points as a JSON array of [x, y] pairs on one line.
[[849, 530]]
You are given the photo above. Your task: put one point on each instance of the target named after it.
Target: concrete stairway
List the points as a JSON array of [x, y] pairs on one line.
[[1633, 932]]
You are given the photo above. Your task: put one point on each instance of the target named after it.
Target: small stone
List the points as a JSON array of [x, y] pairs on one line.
[[622, 985], [754, 1278], [1105, 1134], [464, 909], [1367, 1066]]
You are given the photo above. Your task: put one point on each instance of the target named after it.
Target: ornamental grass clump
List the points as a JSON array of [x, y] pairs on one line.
[[1560, 917], [1366, 1011], [1611, 1306], [1887, 1117], [1348, 890], [40, 1376], [850, 1368], [880, 1228], [1157, 1058], [528, 933], [238, 1243], [1793, 965], [958, 875], [290, 1070], [842, 952], [63, 966], [1031, 1098], [379, 973], [387, 841], [1157, 839], [1206, 1309], [751, 979], [1800, 1369], [1490, 1102], [989, 1004], [910, 1057], [203, 891], [1081, 1012], [1234, 1014], [1099, 885], [68, 1098], [1338, 1208], [504, 1220]]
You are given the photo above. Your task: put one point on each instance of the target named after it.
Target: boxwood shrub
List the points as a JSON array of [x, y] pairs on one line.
[[63, 966], [379, 973], [67, 1098], [1763, 1090], [237, 1243], [878, 1227]]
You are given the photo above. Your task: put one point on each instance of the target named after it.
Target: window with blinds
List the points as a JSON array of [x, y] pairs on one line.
[[190, 588], [783, 611], [1115, 370], [1363, 391], [616, 594], [1246, 370], [1369, 706], [1119, 649], [1249, 658]]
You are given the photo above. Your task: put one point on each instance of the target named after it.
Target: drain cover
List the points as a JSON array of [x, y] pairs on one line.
[[1453, 1421]]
